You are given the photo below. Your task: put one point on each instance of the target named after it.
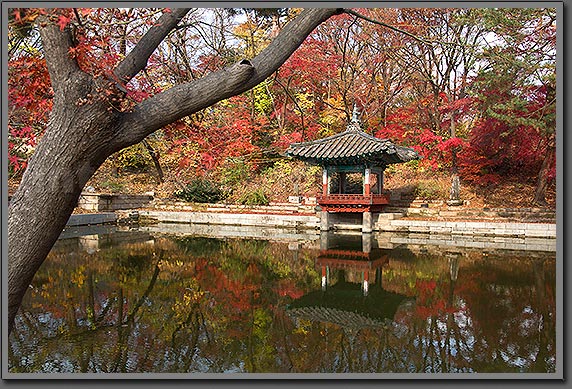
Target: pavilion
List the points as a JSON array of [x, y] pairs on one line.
[[351, 151], [352, 295]]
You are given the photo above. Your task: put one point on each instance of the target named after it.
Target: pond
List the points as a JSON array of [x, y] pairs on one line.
[[147, 300]]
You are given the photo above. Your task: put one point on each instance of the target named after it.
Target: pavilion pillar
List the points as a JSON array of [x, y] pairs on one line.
[[366, 243], [342, 183], [380, 182], [378, 277], [365, 282], [324, 221], [367, 221], [325, 182], [324, 241], [366, 181]]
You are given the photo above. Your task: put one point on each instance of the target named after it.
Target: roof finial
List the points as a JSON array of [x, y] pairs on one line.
[[355, 114]]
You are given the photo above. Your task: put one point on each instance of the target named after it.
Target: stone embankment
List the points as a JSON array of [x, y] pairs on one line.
[[425, 217]]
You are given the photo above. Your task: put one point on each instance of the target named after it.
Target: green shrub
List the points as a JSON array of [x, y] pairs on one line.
[[234, 171], [256, 197], [112, 186], [201, 190], [133, 158], [429, 190]]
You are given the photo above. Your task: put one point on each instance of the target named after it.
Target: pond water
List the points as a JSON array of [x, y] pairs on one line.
[[147, 301]]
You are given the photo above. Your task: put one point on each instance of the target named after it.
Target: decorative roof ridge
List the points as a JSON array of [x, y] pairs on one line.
[[341, 134]]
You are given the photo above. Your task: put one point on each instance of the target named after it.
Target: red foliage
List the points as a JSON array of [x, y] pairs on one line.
[[29, 102], [511, 143], [430, 299]]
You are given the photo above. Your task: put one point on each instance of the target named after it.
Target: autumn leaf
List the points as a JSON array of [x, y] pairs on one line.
[[63, 21]]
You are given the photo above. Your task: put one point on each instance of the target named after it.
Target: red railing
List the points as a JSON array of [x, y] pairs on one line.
[[353, 199], [354, 264], [352, 202]]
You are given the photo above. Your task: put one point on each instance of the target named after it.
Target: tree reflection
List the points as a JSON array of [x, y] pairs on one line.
[[161, 304]]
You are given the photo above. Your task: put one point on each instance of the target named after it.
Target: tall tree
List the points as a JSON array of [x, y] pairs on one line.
[[516, 90], [442, 64], [91, 119]]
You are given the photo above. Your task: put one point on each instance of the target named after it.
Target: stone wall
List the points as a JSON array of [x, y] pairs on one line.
[[547, 230], [283, 208], [537, 215], [89, 219], [239, 219], [103, 202], [444, 243], [382, 222]]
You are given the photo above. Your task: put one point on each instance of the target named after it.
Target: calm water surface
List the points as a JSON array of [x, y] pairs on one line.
[[149, 302]]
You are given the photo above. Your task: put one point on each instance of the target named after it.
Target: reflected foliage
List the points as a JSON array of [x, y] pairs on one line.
[[133, 302]]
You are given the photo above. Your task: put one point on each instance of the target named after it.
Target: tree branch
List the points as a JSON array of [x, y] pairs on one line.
[[137, 59], [56, 44], [186, 99], [358, 15]]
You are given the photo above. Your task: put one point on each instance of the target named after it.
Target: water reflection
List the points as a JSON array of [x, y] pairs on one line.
[[147, 302], [351, 295]]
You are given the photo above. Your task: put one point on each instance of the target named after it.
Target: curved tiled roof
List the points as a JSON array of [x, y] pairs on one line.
[[345, 305], [353, 146]]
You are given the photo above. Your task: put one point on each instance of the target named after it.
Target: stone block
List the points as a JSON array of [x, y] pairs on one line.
[[475, 225], [367, 222], [419, 229], [295, 199], [91, 219]]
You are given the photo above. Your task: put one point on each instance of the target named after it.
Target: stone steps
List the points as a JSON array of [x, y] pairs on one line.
[[535, 215]]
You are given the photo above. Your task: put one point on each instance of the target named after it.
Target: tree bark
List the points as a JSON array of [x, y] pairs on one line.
[[155, 157], [542, 182], [455, 193], [83, 131]]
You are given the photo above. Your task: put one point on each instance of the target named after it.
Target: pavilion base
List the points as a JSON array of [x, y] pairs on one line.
[[363, 221], [367, 225], [324, 221]]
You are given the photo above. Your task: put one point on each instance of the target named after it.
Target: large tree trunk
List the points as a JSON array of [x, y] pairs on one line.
[[83, 131], [542, 182]]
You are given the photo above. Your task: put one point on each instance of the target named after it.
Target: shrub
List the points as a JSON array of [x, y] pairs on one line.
[[112, 186], [234, 171], [430, 190], [133, 158], [256, 197], [201, 190]]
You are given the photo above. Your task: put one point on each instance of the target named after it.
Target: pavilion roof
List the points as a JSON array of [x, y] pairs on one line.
[[351, 147], [345, 305]]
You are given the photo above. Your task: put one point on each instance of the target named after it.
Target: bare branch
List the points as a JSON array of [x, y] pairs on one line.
[[186, 99], [358, 15], [136, 60]]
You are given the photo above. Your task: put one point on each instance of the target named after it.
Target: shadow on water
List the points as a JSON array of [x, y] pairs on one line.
[[151, 301]]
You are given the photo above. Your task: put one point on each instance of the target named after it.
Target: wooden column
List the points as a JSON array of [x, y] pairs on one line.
[[366, 181], [365, 282], [325, 180], [342, 182]]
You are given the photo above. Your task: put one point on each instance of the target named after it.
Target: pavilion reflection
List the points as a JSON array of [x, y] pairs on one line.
[[351, 293]]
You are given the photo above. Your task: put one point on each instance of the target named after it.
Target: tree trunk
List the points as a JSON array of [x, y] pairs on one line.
[[542, 182], [86, 127], [155, 157], [455, 194], [67, 156]]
